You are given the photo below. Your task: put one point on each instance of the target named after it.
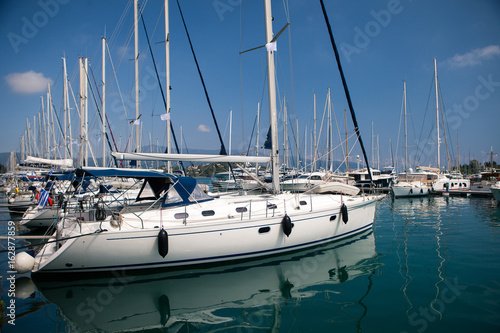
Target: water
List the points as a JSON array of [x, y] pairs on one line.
[[430, 265]]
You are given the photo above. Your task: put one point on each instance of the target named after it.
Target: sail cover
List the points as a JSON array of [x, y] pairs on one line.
[[190, 157], [68, 162]]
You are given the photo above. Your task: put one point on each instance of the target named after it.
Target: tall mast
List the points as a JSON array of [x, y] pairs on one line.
[[346, 142], [67, 125], [406, 139], [258, 124], [298, 146], [65, 109], [167, 85], [83, 155], [50, 112], [328, 132], [28, 137], [136, 43], [314, 132], [272, 98], [373, 148], [103, 101], [39, 135], [230, 129], [285, 124], [43, 139], [437, 116]]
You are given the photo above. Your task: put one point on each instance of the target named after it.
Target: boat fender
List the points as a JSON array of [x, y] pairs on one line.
[[343, 212], [163, 243], [411, 190], [23, 262], [286, 223]]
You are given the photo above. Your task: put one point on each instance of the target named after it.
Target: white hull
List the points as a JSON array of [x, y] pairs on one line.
[[411, 189], [451, 185], [228, 235], [495, 190]]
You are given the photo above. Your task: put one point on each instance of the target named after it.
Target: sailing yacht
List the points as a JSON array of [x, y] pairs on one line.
[[408, 184], [179, 225]]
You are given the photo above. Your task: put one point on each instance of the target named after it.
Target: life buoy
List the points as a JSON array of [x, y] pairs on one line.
[[343, 212], [163, 243], [286, 223]]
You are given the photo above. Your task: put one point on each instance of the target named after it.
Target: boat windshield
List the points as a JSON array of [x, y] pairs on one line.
[[184, 191]]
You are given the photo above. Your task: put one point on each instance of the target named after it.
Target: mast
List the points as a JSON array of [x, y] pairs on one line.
[[258, 124], [44, 143], [346, 142], [65, 109], [285, 124], [298, 147], [406, 139], [272, 98], [328, 130], [373, 148], [103, 102], [167, 85], [230, 129], [437, 117], [83, 156], [50, 111], [28, 136], [315, 142], [67, 112], [136, 44]]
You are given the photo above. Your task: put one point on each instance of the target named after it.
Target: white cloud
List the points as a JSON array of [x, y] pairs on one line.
[[203, 128], [473, 57], [28, 83]]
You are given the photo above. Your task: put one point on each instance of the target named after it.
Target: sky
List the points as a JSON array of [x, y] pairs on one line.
[[381, 43]]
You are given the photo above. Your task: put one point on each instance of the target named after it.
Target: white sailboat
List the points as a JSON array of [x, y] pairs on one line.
[[180, 225], [445, 183], [408, 184], [495, 190]]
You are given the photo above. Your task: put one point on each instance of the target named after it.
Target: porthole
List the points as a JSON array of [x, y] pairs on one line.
[[303, 202], [263, 230], [333, 217], [180, 216], [271, 206], [208, 213], [241, 209]]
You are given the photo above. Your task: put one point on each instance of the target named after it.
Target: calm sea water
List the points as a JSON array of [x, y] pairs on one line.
[[429, 265]]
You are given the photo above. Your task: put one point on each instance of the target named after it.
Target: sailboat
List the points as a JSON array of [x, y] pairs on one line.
[[408, 184], [179, 225], [445, 183]]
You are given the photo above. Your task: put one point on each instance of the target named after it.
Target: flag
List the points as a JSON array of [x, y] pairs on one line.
[[165, 116], [44, 197], [268, 143], [271, 47]]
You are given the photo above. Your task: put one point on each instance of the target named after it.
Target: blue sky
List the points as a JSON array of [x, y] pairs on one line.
[[382, 43]]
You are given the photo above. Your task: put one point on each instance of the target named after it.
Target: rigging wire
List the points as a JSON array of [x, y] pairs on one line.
[[346, 90], [161, 88]]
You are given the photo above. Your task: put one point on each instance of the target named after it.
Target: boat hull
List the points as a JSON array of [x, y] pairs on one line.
[[236, 238], [409, 191]]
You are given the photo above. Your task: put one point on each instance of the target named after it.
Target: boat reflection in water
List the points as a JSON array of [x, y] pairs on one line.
[[238, 295]]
